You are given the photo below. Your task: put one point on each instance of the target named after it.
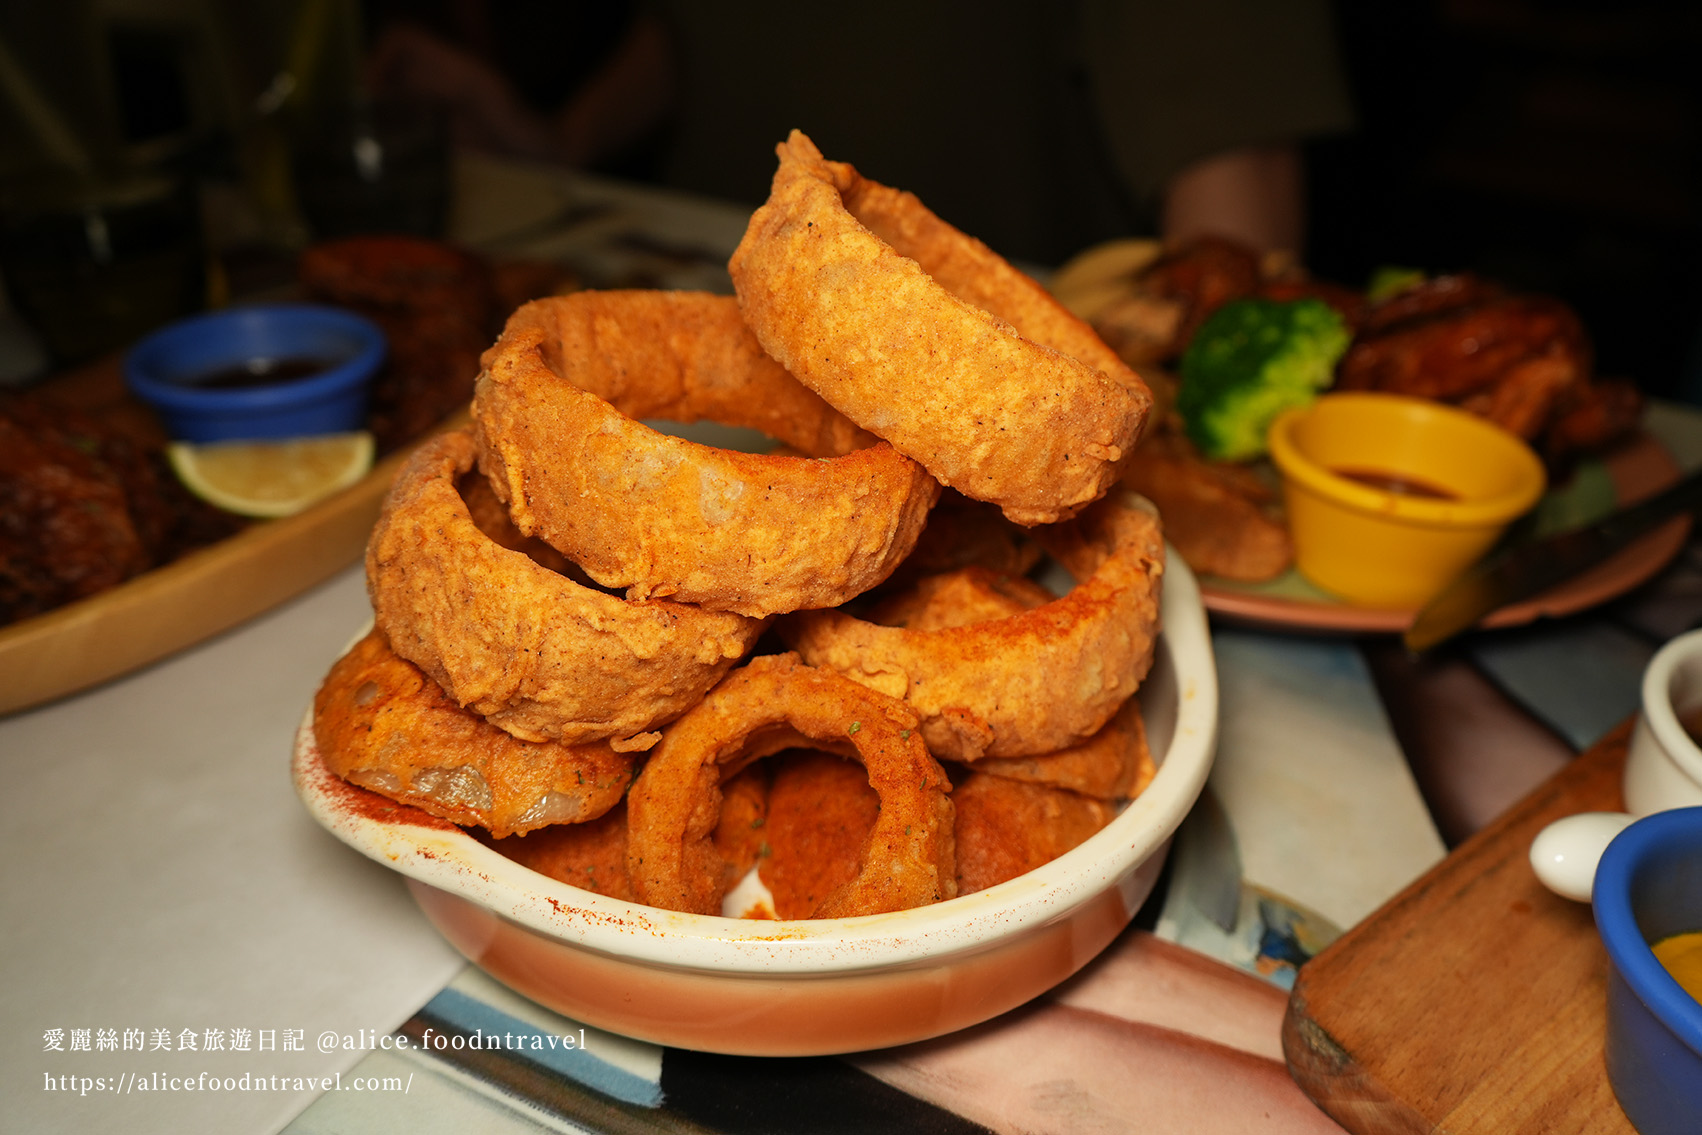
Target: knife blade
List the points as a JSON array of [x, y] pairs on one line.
[[1530, 567]]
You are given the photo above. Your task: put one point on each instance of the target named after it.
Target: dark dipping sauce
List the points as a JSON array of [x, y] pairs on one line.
[[260, 372], [1396, 483]]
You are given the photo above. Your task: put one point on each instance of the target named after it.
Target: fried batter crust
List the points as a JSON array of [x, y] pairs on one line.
[[960, 598], [591, 855], [923, 335], [742, 835], [961, 532], [1006, 828], [557, 406], [820, 812], [1113, 764], [777, 703], [534, 652], [1037, 681], [385, 726]]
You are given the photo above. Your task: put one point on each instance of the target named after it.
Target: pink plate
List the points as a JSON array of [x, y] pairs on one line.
[[1639, 469]]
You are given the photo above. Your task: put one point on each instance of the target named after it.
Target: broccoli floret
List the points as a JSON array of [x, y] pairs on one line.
[[1248, 362], [1389, 281]]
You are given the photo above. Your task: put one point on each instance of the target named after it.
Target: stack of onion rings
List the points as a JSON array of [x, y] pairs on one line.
[[657, 515], [924, 336], [560, 587]]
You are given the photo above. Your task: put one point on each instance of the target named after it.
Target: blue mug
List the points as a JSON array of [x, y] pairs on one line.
[[1648, 886]]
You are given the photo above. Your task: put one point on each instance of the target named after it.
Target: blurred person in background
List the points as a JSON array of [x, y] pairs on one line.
[[1040, 127]]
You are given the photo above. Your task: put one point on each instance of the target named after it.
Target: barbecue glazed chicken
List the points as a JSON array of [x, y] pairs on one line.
[[1523, 362]]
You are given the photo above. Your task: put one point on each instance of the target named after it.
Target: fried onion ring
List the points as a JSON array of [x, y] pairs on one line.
[[556, 408], [1113, 764], [963, 533], [960, 598], [1006, 828], [534, 652], [820, 812], [383, 725], [926, 337], [591, 856], [1033, 682], [771, 704]]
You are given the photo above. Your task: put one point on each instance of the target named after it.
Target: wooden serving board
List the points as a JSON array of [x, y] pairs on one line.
[[165, 610], [1475, 1000]]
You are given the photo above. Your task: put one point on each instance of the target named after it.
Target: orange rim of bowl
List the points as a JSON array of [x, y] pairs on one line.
[[1531, 478]]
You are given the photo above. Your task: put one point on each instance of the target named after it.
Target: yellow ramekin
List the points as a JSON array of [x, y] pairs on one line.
[[1377, 548]]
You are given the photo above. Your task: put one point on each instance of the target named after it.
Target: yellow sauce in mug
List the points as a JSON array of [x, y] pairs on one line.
[[1682, 956]]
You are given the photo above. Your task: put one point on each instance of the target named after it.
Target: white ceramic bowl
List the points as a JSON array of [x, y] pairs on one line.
[[797, 988], [1663, 769]]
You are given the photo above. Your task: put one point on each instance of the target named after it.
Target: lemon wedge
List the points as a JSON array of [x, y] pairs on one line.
[[272, 478]]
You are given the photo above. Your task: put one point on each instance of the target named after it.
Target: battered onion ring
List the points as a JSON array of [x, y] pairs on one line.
[[962, 533], [1113, 764], [383, 725], [534, 652], [660, 516], [820, 812], [960, 598], [1007, 828], [1032, 683], [928, 338], [591, 855], [775, 703]]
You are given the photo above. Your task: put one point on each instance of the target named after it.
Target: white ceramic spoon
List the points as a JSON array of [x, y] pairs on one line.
[[1564, 854]]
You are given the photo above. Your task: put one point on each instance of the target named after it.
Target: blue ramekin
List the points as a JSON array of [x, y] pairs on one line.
[[161, 370], [1649, 887]]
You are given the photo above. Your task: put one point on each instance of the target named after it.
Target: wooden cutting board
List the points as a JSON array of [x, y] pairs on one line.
[[1475, 1000]]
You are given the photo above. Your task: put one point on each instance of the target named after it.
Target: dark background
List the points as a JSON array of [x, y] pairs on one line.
[[1551, 144], [1548, 143]]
